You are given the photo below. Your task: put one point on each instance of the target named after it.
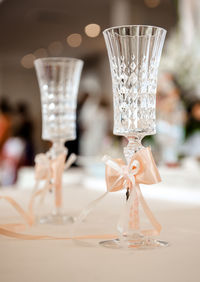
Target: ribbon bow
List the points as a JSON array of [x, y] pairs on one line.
[[141, 170], [50, 171]]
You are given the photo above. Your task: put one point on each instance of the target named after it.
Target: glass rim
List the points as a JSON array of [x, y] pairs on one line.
[[134, 25], [58, 59]]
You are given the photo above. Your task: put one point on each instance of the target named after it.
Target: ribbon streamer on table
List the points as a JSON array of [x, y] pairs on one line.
[[9, 230], [141, 170]]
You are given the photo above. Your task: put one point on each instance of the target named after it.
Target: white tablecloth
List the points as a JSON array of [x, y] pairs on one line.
[[175, 202]]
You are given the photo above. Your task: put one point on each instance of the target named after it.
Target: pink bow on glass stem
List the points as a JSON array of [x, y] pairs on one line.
[[140, 170], [50, 170]]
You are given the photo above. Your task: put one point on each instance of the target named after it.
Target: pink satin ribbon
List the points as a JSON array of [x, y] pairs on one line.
[[141, 170], [12, 230], [50, 171]]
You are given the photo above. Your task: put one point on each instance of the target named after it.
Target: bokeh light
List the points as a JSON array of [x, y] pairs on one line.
[[55, 48], [27, 61], [74, 39], [92, 30], [152, 3], [40, 53]]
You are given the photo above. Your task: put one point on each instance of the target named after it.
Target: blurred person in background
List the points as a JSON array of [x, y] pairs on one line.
[[17, 151], [24, 130], [5, 121], [171, 117], [74, 145], [191, 146], [94, 120]]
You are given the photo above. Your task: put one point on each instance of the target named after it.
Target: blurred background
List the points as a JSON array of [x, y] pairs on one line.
[[40, 28]]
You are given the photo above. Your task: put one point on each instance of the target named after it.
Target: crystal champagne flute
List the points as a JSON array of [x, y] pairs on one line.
[[58, 81], [134, 53]]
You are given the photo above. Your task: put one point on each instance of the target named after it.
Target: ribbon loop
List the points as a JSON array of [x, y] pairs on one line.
[[134, 167], [112, 163]]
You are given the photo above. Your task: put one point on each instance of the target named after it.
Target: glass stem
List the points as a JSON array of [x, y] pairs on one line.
[[56, 150], [58, 147], [132, 220], [134, 145]]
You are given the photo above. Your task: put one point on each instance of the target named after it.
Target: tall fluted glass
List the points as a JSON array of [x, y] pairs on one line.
[[59, 82], [134, 54]]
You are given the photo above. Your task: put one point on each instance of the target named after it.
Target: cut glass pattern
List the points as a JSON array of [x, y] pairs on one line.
[[59, 80], [134, 55]]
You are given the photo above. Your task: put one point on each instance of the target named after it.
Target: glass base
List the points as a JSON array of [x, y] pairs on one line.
[[146, 243], [56, 219]]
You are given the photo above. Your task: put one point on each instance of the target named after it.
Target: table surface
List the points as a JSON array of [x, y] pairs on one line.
[[175, 202]]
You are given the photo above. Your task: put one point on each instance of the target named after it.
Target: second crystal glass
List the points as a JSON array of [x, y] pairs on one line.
[[134, 56], [59, 81]]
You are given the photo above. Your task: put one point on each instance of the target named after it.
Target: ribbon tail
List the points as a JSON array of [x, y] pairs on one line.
[[157, 227], [72, 158], [42, 192], [13, 234], [36, 186], [58, 177], [122, 224], [93, 204], [133, 201], [16, 235], [129, 216], [13, 226], [19, 209], [10, 230], [47, 187], [86, 211]]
